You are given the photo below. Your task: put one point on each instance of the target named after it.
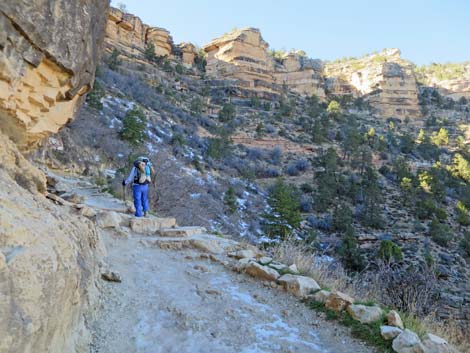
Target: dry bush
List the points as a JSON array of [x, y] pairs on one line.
[[328, 274], [412, 291]]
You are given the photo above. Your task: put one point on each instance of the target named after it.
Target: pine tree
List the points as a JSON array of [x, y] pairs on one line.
[[230, 200], [372, 199], [134, 125], [149, 52], [350, 253], [113, 60], [284, 216]]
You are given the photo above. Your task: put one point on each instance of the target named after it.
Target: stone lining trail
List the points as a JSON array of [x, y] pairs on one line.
[[187, 300]]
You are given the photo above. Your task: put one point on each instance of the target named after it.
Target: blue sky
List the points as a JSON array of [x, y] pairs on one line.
[[425, 30]]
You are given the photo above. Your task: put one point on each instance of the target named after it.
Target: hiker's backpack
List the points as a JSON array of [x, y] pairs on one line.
[[138, 173]]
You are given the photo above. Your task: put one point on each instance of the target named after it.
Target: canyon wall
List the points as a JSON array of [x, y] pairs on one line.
[[384, 79], [130, 35], [49, 50], [242, 55]]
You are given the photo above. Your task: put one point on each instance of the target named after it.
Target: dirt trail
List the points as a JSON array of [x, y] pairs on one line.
[[181, 301]]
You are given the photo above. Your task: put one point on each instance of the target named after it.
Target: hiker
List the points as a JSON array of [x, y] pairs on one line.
[[140, 176]]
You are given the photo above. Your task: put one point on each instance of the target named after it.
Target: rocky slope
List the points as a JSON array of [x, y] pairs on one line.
[[48, 257]]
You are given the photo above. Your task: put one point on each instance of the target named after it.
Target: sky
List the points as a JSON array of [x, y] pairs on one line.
[[425, 31]]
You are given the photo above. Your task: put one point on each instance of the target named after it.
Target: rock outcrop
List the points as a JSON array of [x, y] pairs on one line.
[[188, 53], [242, 55], [48, 263], [48, 254], [385, 80], [130, 35], [48, 54], [300, 74]]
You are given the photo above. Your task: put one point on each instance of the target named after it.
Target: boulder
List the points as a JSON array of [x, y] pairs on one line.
[[263, 272], [240, 254], [278, 266], [130, 207], [87, 212], [407, 342], [300, 286], [150, 225], [394, 319], [365, 314], [389, 332], [206, 245], [338, 301], [111, 276], [241, 264], [321, 296], [293, 269], [108, 219], [265, 260], [435, 344]]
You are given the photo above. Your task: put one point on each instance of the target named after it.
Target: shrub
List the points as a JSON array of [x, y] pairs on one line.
[[463, 217], [230, 200], [113, 60], [227, 113], [134, 125], [334, 109], [93, 98], [276, 155], [350, 252], [179, 69], [305, 204], [440, 233], [218, 148], [269, 173], [149, 52], [196, 106], [389, 251], [465, 243]]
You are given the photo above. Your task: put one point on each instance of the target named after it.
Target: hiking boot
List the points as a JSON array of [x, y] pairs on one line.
[[146, 214]]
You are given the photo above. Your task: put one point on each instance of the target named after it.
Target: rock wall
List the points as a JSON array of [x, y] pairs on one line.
[[48, 54], [48, 255], [242, 55], [300, 74], [384, 79], [131, 36]]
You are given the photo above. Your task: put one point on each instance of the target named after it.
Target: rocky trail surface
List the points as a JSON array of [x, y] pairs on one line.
[[178, 294]]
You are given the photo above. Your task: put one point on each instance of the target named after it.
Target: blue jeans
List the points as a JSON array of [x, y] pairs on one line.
[[141, 200]]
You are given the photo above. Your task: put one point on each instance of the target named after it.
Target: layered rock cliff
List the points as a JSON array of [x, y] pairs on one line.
[[48, 52], [242, 55], [131, 36], [300, 74], [48, 256], [384, 79]]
